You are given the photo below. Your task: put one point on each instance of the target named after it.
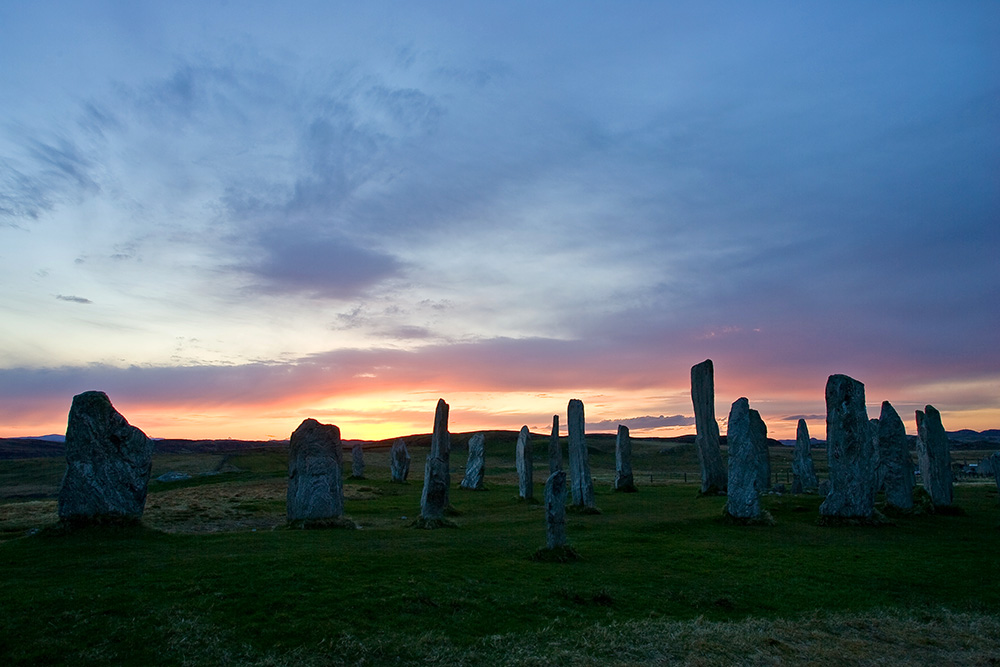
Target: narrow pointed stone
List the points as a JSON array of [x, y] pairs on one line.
[[758, 434], [399, 461], [315, 488], [357, 461], [624, 480], [473, 479], [437, 478], [743, 498], [895, 464], [849, 450], [555, 450], [802, 465], [555, 510], [713, 472], [524, 465], [581, 483], [934, 454], [108, 462]]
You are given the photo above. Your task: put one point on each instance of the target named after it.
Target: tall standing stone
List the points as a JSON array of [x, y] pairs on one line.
[[743, 498], [473, 479], [108, 462], [713, 472], [357, 461], [624, 480], [555, 450], [934, 454], [399, 462], [315, 489], [895, 464], [555, 510], [758, 434], [581, 483], [525, 465], [434, 499], [804, 474], [849, 450]]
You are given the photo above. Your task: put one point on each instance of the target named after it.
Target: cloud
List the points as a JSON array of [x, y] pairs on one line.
[[796, 418], [73, 299], [641, 423]]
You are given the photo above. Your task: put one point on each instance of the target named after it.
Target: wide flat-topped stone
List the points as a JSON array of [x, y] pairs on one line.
[[850, 452], [315, 486]]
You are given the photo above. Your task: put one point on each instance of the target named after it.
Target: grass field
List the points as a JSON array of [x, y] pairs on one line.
[[214, 578]]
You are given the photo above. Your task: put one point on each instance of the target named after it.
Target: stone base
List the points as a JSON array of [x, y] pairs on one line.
[[432, 524], [763, 519], [451, 511], [563, 554], [322, 524]]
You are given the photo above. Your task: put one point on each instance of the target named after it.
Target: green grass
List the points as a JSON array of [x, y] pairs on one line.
[[662, 578]]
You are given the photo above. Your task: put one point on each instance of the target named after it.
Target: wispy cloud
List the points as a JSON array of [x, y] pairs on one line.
[[73, 299], [641, 423]]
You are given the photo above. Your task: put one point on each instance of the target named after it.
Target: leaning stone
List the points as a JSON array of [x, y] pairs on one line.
[[713, 472], [743, 499], [108, 463], [473, 479], [624, 480], [437, 478], [315, 496], [850, 453], [357, 461], [758, 433], [524, 465], [803, 471], [894, 462], [581, 483], [555, 449], [399, 462], [934, 454]]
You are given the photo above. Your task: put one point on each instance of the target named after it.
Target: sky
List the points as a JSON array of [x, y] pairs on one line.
[[232, 216]]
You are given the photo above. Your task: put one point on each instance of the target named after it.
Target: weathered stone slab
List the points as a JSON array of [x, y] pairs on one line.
[[934, 454], [581, 483], [624, 481], [850, 452], [315, 488], [803, 471], [473, 479], [437, 478], [399, 462], [713, 472], [357, 461], [108, 463], [525, 466], [555, 510], [894, 462], [555, 450], [758, 434], [743, 498]]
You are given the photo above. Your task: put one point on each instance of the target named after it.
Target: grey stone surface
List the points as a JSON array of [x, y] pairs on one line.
[[850, 451], [934, 455], [624, 481], [357, 461], [713, 472], [473, 479], [555, 510], [524, 465], [437, 478], [743, 498], [581, 483], [108, 462], [315, 487], [824, 488], [555, 449], [758, 433], [399, 461], [894, 462], [803, 471]]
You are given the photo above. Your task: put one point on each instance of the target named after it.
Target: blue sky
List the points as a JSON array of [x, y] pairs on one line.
[[232, 216]]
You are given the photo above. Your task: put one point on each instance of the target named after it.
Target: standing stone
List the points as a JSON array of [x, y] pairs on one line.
[[934, 454], [894, 462], [804, 478], [399, 462], [713, 472], [555, 510], [315, 489], [743, 501], [357, 461], [581, 483], [623, 461], [876, 461], [434, 499], [758, 433], [849, 450], [473, 479], [555, 450], [108, 463], [525, 466], [995, 460]]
